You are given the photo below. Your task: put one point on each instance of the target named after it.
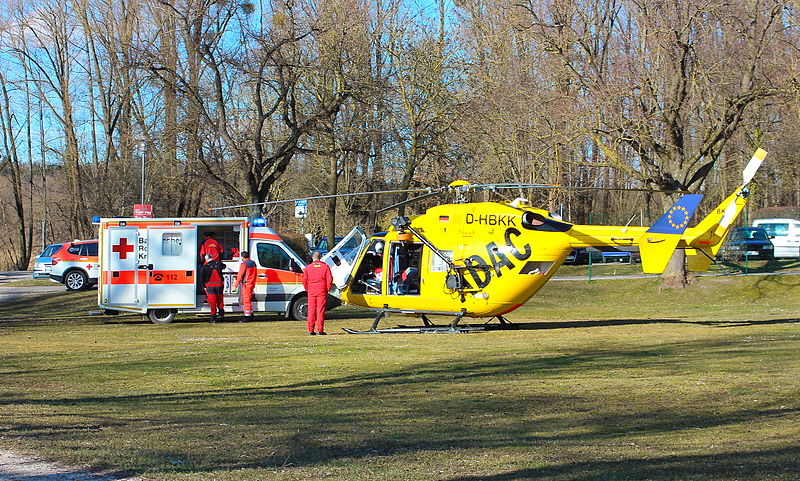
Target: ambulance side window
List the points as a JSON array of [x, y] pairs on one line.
[[171, 244], [272, 256]]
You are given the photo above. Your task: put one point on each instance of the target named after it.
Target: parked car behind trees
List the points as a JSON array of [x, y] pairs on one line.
[[750, 242]]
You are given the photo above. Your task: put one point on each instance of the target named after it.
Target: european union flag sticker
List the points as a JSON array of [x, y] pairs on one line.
[[677, 218]]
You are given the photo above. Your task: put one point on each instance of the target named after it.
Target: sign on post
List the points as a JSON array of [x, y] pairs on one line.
[[300, 208], [142, 210]]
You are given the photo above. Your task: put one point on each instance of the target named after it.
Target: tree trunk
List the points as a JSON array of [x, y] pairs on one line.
[[21, 244], [675, 275]]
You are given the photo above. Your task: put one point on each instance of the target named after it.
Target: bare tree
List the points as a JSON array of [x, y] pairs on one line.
[[19, 249], [666, 93], [53, 57]]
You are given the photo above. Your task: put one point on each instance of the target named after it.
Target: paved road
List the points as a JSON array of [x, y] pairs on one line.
[[9, 276], [11, 293]]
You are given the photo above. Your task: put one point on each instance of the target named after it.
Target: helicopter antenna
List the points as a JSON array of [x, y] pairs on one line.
[[624, 229]]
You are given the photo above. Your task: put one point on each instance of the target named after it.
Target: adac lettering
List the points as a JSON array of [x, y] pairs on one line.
[[492, 219], [481, 271]]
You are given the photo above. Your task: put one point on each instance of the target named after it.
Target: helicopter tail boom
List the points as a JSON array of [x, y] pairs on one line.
[[704, 241], [658, 242]]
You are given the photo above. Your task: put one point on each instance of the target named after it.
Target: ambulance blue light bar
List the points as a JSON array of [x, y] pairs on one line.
[[258, 222], [96, 219]]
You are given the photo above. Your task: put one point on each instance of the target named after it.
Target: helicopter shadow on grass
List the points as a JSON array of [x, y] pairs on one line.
[[481, 325], [581, 324], [749, 323], [545, 325]]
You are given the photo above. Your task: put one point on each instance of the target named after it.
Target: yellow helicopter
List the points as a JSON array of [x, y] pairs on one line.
[[485, 259]]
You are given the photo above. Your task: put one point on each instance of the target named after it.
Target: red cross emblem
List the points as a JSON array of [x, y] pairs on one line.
[[123, 248]]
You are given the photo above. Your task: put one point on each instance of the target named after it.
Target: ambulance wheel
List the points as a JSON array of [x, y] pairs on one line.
[[161, 316], [76, 280], [299, 310]]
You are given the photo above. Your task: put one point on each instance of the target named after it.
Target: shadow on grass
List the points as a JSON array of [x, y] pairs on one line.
[[781, 463], [759, 266], [417, 409], [76, 307], [538, 325], [548, 325]]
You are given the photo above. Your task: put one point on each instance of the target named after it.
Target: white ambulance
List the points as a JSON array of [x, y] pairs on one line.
[[151, 266]]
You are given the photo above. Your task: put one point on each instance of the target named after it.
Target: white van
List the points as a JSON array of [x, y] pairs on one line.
[[785, 235]]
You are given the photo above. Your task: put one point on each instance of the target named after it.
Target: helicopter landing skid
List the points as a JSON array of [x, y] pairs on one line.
[[429, 327]]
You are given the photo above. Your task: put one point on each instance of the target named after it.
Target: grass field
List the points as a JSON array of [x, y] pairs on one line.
[[604, 380]]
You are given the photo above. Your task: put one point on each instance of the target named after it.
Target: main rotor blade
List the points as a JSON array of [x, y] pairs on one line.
[[329, 196], [407, 201], [567, 187]]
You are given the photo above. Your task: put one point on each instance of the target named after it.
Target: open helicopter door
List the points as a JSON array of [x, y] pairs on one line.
[[342, 258]]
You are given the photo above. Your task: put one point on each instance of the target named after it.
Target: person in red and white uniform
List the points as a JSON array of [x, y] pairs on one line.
[[246, 280], [317, 281]]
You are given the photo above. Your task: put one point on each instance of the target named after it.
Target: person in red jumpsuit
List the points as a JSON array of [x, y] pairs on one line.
[[213, 283], [317, 281], [248, 272], [211, 247]]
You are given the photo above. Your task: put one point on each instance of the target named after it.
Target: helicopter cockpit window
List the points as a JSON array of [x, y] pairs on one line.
[[369, 273], [404, 268]]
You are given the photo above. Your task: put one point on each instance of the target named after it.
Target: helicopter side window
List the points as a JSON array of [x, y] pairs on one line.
[[369, 273], [404, 265]]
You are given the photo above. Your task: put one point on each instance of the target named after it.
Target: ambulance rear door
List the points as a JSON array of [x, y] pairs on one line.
[[121, 282], [172, 266]]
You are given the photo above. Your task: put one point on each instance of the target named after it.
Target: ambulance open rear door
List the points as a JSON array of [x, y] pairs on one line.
[[122, 284], [172, 267]]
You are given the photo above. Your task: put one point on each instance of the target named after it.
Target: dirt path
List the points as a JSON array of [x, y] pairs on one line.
[[17, 467], [28, 467]]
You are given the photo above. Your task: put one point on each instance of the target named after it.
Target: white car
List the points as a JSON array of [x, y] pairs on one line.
[[76, 265]]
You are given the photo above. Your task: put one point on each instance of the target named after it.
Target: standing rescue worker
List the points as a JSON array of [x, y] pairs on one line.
[[211, 279], [247, 280], [317, 281], [211, 247]]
